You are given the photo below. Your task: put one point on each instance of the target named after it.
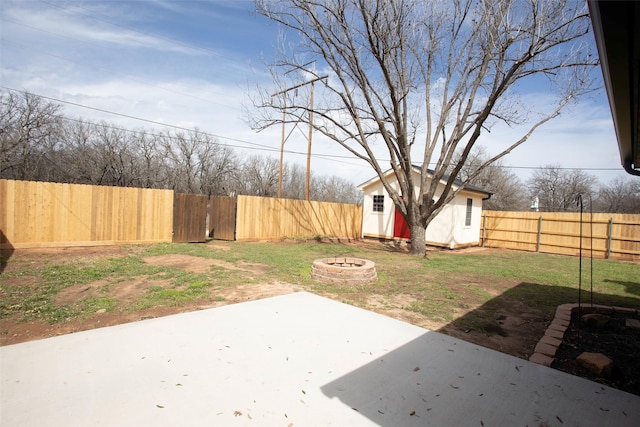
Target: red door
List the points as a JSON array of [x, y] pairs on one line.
[[400, 227]]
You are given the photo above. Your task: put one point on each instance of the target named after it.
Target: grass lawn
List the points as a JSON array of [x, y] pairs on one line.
[[498, 298]]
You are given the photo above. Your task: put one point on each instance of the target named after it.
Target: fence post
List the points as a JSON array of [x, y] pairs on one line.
[[609, 234], [539, 233], [484, 229]]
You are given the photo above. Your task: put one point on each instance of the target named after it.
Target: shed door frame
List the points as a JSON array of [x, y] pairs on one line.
[[400, 227]]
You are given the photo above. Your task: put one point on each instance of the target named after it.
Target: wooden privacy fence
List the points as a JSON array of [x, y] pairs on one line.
[[262, 218], [604, 235], [222, 217], [189, 218], [196, 217], [39, 214]]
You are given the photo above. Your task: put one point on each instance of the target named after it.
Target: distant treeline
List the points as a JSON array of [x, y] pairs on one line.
[[40, 143]]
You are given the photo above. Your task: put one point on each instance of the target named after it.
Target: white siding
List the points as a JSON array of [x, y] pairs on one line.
[[447, 229], [377, 224]]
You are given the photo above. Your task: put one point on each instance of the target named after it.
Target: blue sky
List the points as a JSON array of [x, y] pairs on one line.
[[192, 64]]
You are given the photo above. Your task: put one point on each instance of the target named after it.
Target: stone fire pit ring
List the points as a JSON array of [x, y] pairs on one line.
[[344, 270]]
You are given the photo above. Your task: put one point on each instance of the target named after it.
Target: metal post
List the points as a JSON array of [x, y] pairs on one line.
[[579, 201], [539, 233], [609, 234], [484, 229]]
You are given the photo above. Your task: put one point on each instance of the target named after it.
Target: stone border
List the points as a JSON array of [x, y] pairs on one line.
[[344, 270], [545, 351]]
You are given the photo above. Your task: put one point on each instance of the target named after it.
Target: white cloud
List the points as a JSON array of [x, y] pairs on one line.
[[68, 23], [581, 137], [146, 60]]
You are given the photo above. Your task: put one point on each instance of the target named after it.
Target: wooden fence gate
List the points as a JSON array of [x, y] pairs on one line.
[[222, 217], [189, 218]]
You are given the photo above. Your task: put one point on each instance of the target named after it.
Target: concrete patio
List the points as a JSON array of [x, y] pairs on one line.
[[293, 360]]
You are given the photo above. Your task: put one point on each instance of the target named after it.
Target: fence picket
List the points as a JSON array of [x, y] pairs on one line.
[[41, 214], [615, 236]]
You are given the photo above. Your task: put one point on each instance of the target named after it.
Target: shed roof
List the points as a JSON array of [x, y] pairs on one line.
[[417, 169]]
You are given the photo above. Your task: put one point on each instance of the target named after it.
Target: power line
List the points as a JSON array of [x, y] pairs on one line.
[[262, 147], [255, 146], [146, 132], [128, 116]]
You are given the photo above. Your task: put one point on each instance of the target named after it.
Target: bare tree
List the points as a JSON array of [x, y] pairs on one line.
[[424, 79], [149, 169], [29, 132], [294, 181], [79, 140], [258, 176], [335, 189], [196, 163], [216, 164], [115, 156], [182, 161], [557, 189], [619, 196], [102, 154], [509, 194]]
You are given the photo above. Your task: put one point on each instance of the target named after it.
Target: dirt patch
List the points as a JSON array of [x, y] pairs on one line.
[[252, 292], [16, 332], [39, 256], [196, 264], [395, 306], [514, 329], [392, 302], [125, 291], [28, 331]]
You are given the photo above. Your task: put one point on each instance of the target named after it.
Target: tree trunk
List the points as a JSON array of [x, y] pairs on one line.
[[418, 246]]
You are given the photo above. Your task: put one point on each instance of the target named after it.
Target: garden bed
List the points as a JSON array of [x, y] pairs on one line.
[[617, 340]]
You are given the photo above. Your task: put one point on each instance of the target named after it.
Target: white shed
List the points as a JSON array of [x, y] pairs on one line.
[[456, 226]]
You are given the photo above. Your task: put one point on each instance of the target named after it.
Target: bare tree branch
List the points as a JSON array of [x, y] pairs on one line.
[[405, 71]]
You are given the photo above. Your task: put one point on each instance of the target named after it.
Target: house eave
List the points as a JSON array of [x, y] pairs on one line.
[[616, 27]]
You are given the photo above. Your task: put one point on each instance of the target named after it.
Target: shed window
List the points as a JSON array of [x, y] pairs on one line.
[[378, 203], [467, 219]]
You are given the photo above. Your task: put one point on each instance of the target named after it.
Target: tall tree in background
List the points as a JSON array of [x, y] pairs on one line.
[[197, 164], [424, 79], [509, 194], [39, 143], [557, 189], [258, 176], [294, 181], [619, 196], [29, 131], [334, 189]]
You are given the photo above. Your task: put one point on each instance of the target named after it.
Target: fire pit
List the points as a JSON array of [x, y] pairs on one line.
[[344, 270]]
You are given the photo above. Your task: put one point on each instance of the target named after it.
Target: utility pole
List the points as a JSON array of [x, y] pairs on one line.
[[284, 108], [307, 182], [284, 92]]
